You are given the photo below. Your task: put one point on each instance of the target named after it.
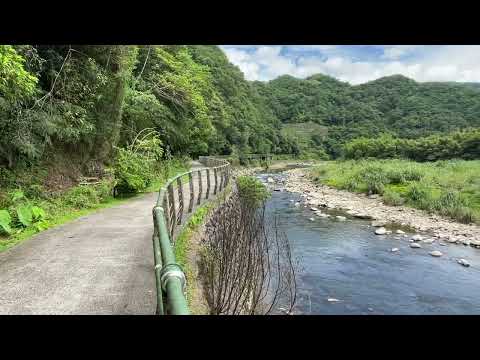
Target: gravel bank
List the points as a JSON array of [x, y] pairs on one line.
[[362, 206]]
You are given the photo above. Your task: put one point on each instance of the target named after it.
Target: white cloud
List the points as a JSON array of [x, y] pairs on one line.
[[312, 47], [420, 62], [263, 63], [397, 51]]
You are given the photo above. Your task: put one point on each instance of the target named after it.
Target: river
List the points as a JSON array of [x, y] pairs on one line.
[[346, 261]]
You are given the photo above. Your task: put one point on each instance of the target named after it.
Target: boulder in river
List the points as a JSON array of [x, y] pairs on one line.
[[463, 262], [399, 231], [313, 208], [362, 216], [270, 180], [435, 253], [417, 237], [394, 250], [415, 245], [311, 219], [297, 204], [341, 218], [475, 243], [381, 231], [428, 241]]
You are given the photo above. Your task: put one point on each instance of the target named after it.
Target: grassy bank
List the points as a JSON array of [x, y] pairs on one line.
[[450, 188], [21, 204]]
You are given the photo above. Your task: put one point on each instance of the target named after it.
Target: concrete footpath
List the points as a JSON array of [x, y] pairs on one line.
[[98, 264]]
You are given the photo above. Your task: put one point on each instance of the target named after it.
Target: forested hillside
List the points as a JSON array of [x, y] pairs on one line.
[[392, 105], [81, 102], [85, 100]]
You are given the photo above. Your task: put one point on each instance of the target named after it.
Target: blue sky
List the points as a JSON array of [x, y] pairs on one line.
[[358, 64]]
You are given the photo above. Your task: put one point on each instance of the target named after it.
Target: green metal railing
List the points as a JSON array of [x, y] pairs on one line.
[[168, 217]]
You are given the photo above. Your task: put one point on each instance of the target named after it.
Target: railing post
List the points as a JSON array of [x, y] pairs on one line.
[[221, 179], [208, 184], [192, 194], [180, 201], [171, 210], [199, 187], [216, 181], [166, 212]]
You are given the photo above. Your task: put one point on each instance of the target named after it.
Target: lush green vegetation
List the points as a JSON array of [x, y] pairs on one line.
[[251, 191], [450, 188], [393, 105], [89, 101], [460, 144], [56, 99], [30, 209]]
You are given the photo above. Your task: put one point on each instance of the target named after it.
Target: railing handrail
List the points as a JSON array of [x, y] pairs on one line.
[[169, 276]]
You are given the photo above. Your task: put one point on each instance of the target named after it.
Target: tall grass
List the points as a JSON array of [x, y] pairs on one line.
[[450, 188]]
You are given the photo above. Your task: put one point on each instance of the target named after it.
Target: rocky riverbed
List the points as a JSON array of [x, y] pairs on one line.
[[319, 197]]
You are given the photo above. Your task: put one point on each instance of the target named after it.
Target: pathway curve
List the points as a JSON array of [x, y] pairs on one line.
[[97, 264]]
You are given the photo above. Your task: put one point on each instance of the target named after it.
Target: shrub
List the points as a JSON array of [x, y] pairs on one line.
[[35, 191], [5, 221], [136, 165], [251, 190], [393, 198], [450, 199], [412, 174], [105, 189], [351, 184], [462, 214], [375, 178], [132, 172], [396, 176], [21, 214], [417, 193], [82, 197]]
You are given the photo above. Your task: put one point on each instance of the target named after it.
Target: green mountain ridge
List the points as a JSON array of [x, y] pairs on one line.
[[83, 102], [394, 104]]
